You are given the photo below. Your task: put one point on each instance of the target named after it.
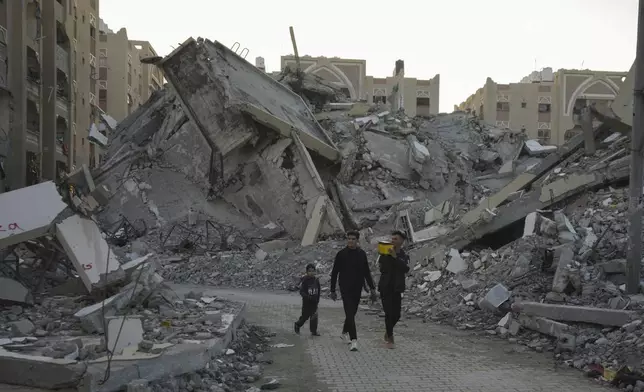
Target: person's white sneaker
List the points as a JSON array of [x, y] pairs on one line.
[[346, 338], [354, 345]]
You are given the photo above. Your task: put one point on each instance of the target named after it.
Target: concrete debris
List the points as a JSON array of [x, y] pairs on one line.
[[12, 292], [524, 241]]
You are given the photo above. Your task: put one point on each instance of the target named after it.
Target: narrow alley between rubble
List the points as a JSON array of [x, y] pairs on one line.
[[427, 358]]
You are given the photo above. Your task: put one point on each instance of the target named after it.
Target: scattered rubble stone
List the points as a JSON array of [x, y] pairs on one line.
[[237, 371]]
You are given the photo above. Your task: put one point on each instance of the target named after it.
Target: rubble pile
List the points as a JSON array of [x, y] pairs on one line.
[[238, 369], [546, 269], [276, 265]]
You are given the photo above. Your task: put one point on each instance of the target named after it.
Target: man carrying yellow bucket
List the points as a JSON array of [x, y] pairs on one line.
[[394, 266]]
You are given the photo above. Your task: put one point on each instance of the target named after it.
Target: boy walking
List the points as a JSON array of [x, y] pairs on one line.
[[310, 292]]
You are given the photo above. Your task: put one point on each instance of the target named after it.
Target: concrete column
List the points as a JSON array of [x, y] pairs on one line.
[[16, 166], [48, 95]]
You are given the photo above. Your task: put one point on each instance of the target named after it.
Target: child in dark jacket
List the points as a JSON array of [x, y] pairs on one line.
[[310, 292]]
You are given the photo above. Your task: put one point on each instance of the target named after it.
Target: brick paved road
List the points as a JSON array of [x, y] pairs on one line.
[[427, 358]]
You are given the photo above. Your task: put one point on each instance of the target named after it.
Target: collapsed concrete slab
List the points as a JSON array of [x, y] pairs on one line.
[[538, 199], [226, 161], [28, 213], [579, 314], [14, 292], [208, 76], [564, 333], [96, 265], [527, 178]]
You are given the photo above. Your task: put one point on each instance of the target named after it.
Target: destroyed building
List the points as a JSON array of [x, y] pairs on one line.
[[228, 177]]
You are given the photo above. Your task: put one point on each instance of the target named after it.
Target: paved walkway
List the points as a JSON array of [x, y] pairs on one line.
[[427, 357]]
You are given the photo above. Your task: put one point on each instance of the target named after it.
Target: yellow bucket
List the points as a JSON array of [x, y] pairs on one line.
[[385, 247]]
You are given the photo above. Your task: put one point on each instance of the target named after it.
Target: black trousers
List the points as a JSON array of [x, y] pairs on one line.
[[309, 311], [391, 304], [350, 302]]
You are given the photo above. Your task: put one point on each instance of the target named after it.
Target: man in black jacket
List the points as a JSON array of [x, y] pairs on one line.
[[353, 267], [393, 269], [310, 292]]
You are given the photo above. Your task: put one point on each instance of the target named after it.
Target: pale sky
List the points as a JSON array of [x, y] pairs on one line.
[[464, 41]]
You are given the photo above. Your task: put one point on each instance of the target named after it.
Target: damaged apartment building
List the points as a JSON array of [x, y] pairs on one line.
[[547, 105], [229, 131], [416, 96], [53, 46]]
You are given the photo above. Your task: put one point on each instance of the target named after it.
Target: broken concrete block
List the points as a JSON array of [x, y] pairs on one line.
[[521, 267], [22, 221], [530, 226], [260, 255], [123, 332], [514, 327], [495, 298], [579, 314], [146, 282], [505, 321], [534, 148], [563, 274], [95, 263], [564, 334], [22, 327], [417, 152], [456, 263], [507, 168], [470, 284], [12, 291], [616, 266], [432, 276], [315, 221]]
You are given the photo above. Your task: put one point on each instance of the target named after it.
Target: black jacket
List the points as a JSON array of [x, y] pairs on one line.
[[353, 268], [392, 272], [310, 288]]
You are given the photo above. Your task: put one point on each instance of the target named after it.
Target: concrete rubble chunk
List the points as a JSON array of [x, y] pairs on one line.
[[494, 298], [197, 70], [563, 273], [521, 267], [12, 291], [123, 332], [95, 263], [145, 282], [456, 263], [25, 221], [561, 331], [580, 314], [22, 327]]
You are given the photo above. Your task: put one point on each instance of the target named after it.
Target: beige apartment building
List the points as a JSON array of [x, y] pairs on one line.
[[124, 82], [416, 96], [45, 122], [545, 104]]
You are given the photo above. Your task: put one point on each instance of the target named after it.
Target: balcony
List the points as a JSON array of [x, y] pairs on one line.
[[62, 59], [92, 60], [62, 107]]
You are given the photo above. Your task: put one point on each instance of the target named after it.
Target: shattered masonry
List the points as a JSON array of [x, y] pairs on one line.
[[228, 177]]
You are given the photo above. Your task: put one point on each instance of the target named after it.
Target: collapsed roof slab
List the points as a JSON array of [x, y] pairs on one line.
[[527, 178], [539, 199], [28, 213], [210, 80], [96, 265]]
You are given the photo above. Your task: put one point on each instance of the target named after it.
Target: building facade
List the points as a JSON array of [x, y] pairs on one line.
[[45, 122], [415, 96], [124, 82], [546, 104]]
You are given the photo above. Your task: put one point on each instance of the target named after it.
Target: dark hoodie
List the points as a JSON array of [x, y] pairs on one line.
[[310, 288], [392, 272]]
